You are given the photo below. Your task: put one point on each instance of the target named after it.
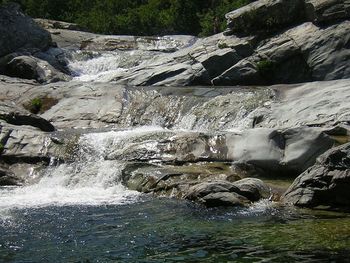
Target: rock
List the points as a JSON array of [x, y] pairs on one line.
[[242, 73], [325, 184], [301, 54], [70, 39], [323, 11], [8, 178], [316, 104], [174, 180], [26, 145], [177, 74], [254, 189], [57, 58], [49, 24], [217, 193], [325, 50], [19, 31], [223, 193], [160, 44], [265, 119], [212, 184], [218, 61], [265, 16], [289, 151], [224, 199], [29, 67], [303, 146], [17, 116]]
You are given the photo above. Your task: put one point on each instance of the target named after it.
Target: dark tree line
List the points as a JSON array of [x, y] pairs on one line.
[[137, 17]]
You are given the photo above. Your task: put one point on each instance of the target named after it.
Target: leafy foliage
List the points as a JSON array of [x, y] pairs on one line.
[[35, 105], [137, 17]]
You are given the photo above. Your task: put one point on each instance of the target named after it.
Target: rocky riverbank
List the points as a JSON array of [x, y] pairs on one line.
[[211, 144]]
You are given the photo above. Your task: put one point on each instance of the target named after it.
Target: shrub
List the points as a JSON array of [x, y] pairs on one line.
[[35, 105], [2, 147], [223, 45]]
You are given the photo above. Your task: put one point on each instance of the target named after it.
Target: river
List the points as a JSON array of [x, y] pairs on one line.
[[81, 212]]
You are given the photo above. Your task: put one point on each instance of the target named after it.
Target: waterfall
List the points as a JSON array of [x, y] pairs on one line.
[[94, 177], [89, 180]]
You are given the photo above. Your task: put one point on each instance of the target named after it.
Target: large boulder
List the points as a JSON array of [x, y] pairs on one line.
[[325, 184], [265, 16], [323, 11], [18, 31], [222, 193], [29, 67], [301, 54]]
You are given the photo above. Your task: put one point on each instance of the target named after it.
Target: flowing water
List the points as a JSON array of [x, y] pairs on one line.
[[80, 212]]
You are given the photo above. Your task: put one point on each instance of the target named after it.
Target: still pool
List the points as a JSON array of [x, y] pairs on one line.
[[166, 230]]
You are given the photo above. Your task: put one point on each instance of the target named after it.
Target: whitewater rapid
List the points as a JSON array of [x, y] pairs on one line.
[[89, 180]]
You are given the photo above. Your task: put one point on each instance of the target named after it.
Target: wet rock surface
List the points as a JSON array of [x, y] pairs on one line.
[[7, 178], [212, 184]]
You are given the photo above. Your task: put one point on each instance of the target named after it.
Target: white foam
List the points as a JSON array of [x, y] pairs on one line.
[[91, 180], [264, 206], [90, 183], [102, 69]]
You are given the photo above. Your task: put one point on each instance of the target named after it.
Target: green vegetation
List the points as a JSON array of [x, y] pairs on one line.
[[40, 104], [2, 147], [35, 105], [265, 67], [223, 45], [137, 17]]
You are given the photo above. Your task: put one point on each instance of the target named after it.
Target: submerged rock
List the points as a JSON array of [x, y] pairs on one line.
[[326, 184]]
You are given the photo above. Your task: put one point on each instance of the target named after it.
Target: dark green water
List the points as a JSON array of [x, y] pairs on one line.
[[165, 230]]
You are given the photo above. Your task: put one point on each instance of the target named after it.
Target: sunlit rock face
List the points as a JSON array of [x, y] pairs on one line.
[[326, 184]]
